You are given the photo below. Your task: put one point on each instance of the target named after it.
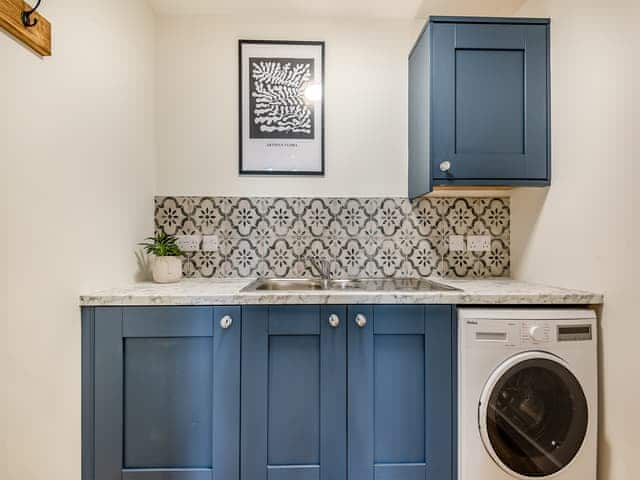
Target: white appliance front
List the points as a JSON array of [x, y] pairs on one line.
[[527, 394]]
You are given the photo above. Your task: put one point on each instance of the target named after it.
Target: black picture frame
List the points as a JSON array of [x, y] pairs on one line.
[[241, 132]]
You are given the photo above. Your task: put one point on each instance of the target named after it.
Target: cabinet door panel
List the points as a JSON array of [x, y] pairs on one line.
[[398, 392], [400, 380], [294, 400], [490, 100], [482, 124], [167, 385], [293, 394]]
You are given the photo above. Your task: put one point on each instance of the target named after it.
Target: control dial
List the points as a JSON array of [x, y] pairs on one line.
[[536, 333]]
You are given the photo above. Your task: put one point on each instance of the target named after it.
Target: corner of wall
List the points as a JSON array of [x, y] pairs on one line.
[[527, 205]]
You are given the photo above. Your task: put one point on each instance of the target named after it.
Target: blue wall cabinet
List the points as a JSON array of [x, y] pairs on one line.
[[479, 103], [161, 393], [293, 393], [401, 380]]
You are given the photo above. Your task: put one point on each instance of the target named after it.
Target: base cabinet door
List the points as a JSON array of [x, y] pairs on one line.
[[401, 399], [166, 393], [293, 415]]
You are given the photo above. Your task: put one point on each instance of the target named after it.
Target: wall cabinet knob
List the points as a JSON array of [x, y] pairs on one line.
[[334, 320], [445, 166], [361, 320], [226, 321]]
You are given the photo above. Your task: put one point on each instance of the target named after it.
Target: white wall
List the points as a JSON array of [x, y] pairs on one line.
[[4, 341], [79, 147], [583, 233], [366, 107]]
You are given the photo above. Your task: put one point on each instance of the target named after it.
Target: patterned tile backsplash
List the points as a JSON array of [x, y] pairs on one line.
[[367, 237]]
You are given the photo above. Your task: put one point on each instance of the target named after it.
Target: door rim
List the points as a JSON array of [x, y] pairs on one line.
[[487, 390]]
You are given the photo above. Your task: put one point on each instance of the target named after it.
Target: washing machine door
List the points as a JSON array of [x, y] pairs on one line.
[[533, 415]]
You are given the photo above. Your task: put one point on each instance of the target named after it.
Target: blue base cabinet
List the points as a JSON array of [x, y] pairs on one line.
[[479, 103], [284, 392], [294, 394], [161, 393], [401, 377]]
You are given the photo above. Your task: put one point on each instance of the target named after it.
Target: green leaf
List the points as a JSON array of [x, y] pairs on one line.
[[162, 245]]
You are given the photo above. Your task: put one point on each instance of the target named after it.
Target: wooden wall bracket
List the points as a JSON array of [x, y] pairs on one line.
[[37, 37]]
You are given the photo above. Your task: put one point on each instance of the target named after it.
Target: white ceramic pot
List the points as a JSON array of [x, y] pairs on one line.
[[166, 269]]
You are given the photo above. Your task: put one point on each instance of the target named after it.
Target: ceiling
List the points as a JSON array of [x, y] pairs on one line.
[[405, 9]]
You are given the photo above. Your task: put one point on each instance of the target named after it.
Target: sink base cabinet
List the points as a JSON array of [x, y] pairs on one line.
[[280, 394], [293, 394], [401, 380]]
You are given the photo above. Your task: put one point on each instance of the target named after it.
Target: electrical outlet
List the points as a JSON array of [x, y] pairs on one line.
[[188, 243], [478, 243], [456, 243], [210, 243]]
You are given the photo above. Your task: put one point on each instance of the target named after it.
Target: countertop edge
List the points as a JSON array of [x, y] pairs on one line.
[[456, 298], [201, 291]]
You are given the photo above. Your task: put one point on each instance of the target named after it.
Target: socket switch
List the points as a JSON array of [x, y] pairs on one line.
[[210, 243]]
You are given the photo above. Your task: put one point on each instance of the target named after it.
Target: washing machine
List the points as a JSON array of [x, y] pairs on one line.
[[527, 394]]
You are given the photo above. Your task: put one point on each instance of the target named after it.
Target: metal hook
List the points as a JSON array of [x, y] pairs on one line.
[[26, 16]]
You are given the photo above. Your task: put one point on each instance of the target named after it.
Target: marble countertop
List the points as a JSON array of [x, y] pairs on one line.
[[204, 291]]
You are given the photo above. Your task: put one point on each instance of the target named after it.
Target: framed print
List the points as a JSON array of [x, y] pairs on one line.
[[281, 107]]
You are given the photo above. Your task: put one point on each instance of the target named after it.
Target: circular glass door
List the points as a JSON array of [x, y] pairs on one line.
[[533, 415]]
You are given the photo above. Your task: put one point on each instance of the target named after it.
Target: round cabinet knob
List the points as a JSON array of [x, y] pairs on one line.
[[361, 320], [226, 321], [445, 166], [334, 320], [536, 333]]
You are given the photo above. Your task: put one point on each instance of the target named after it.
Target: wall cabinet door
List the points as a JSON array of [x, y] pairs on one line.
[[490, 104], [293, 393], [401, 380], [479, 103], [166, 393]]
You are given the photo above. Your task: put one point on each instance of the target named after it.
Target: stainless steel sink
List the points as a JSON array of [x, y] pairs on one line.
[[363, 284], [285, 284]]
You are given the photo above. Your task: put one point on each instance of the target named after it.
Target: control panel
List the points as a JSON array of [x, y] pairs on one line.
[[525, 332]]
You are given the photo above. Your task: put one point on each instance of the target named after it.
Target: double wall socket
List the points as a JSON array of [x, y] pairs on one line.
[[193, 243], [474, 243], [478, 243], [188, 243]]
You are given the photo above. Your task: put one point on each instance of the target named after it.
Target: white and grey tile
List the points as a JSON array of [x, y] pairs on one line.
[[365, 237]]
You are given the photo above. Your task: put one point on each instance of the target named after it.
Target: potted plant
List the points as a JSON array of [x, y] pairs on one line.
[[166, 264]]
